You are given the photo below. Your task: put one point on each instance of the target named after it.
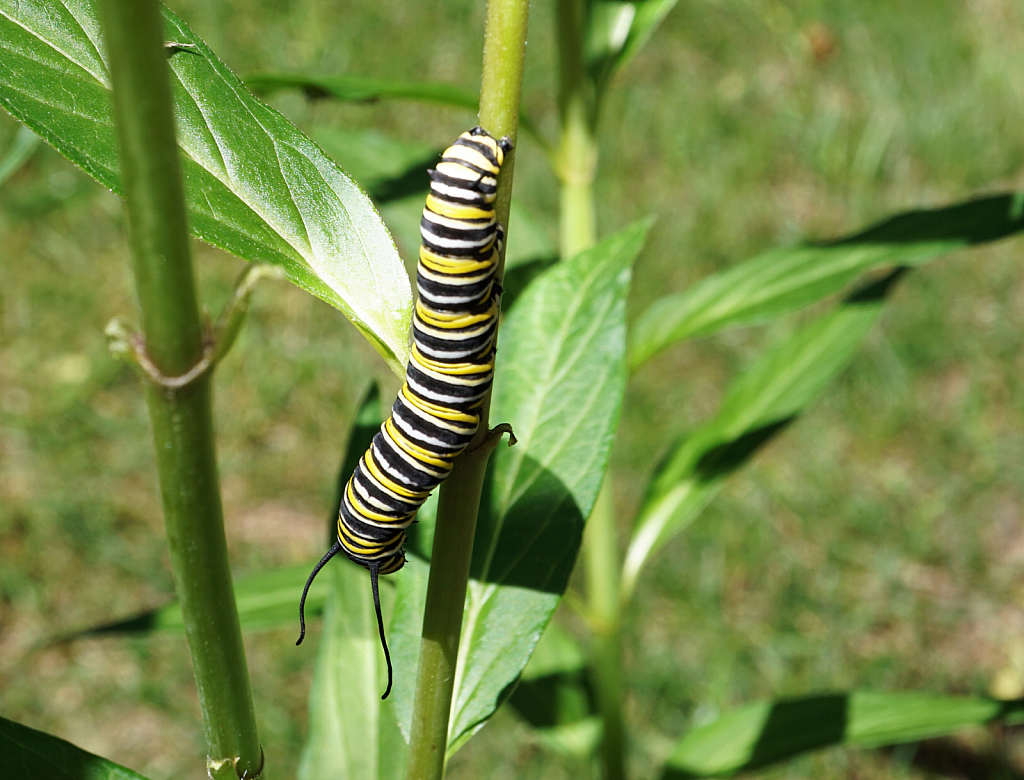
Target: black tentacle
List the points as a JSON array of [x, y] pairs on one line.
[[373, 567], [302, 602]]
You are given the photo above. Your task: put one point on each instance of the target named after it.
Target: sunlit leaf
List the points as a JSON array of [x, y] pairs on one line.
[[784, 280], [254, 184], [27, 754], [773, 392], [757, 735]]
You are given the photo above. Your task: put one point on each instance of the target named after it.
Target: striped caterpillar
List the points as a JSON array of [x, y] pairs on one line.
[[450, 370]]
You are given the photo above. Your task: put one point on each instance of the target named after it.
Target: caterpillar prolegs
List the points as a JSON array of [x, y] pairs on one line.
[[450, 369]]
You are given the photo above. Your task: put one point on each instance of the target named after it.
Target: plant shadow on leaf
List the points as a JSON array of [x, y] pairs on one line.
[[518, 278], [543, 526], [971, 222]]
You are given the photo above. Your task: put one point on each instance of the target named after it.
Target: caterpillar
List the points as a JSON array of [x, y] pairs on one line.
[[451, 366]]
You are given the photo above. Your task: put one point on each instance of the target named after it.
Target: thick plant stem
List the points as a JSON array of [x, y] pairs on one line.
[[577, 166], [459, 500], [181, 416]]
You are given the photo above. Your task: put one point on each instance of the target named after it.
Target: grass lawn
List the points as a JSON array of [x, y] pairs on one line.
[[878, 543]]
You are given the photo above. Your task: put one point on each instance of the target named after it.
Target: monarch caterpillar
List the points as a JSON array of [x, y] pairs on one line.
[[451, 366]]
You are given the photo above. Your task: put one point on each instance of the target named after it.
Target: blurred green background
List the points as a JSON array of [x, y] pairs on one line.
[[876, 544]]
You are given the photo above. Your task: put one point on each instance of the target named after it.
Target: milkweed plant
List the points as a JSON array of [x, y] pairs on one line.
[[130, 94]]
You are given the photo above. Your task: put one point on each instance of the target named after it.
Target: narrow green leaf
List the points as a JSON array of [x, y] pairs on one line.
[[367, 89], [364, 89], [560, 379], [265, 600], [255, 186], [617, 31], [757, 735], [780, 385], [21, 149], [784, 280], [27, 754]]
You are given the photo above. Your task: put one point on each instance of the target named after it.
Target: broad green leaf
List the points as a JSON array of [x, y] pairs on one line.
[[21, 149], [364, 88], [266, 600], [757, 735], [255, 186], [784, 280], [27, 754], [559, 382], [775, 390]]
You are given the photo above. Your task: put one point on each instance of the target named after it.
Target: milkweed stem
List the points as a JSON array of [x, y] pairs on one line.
[[459, 500]]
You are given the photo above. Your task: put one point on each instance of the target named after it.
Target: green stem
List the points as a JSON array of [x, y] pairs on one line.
[[181, 416], [459, 500], [577, 166], [601, 560]]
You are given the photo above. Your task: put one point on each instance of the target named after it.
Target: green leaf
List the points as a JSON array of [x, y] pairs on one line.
[[364, 89], [387, 168], [784, 280], [757, 735], [559, 382], [773, 392], [21, 149], [617, 31], [30, 755], [265, 600], [255, 186], [554, 696]]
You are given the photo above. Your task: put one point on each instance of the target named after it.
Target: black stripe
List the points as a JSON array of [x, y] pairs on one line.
[[484, 149], [473, 185]]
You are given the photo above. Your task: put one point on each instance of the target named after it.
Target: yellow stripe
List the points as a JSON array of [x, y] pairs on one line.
[[451, 369], [453, 321], [460, 265], [370, 466], [457, 210], [414, 450], [471, 156], [357, 503], [439, 411]]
